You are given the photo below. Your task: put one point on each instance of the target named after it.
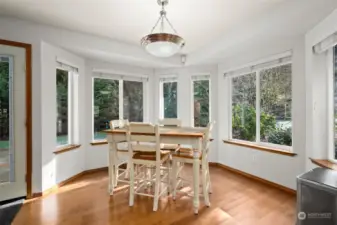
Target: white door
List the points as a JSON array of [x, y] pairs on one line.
[[12, 122]]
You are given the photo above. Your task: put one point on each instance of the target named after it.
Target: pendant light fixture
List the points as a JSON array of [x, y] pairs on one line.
[[162, 44]]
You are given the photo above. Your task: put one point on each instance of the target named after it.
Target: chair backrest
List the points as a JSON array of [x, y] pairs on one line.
[[170, 122], [143, 137], [206, 140], [114, 124]]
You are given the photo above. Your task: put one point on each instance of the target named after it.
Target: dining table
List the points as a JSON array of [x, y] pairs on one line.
[[184, 136]]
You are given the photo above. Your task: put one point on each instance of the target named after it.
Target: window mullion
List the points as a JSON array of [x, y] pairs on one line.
[[257, 102], [121, 102]]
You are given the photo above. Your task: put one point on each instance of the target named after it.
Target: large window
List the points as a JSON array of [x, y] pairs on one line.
[[261, 106], [67, 121], [201, 101], [115, 99], [169, 98], [63, 89], [106, 105]]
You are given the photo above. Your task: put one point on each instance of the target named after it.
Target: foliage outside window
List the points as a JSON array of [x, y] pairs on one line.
[[108, 96], [133, 101], [170, 97], [201, 102], [275, 100], [335, 99], [62, 126], [4, 107], [243, 107], [106, 105]]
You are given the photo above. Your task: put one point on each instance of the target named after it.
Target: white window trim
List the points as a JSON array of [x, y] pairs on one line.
[[257, 141], [162, 80], [120, 79], [201, 78], [331, 105], [73, 120]]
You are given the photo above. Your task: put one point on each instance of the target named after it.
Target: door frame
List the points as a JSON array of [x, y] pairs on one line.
[[28, 53]]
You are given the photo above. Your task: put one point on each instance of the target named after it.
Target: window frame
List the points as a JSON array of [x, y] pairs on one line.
[[121, 79], [171, 79], [199, 77], [331, 105], [257, 141], [72, 105]]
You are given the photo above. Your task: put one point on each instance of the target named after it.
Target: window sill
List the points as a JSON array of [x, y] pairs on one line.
[[260, 148], [66, 148], [101, 142], [324, 163]]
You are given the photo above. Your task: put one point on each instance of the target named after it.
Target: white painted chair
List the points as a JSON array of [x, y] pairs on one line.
[[170, 122], [122, 156], [148, 153], [185, 155]]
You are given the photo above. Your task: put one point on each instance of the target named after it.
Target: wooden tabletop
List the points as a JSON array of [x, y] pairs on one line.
[[165, 131]]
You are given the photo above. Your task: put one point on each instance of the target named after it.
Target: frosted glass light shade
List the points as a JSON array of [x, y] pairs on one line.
[[162, 44]]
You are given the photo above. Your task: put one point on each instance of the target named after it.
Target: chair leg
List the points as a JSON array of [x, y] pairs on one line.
[[127, 172], [169, 189], [157, 189], [205, 183], [174, 178], [132, 185], [209, 179], [116, 175]]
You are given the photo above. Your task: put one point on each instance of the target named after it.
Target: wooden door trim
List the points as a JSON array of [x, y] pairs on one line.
[[28, 51]]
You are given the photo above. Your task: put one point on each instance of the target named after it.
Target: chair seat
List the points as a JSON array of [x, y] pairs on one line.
[[186, 153], [151, 156], [171, 147]]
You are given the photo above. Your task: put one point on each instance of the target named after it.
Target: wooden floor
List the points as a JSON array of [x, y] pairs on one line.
[[236, 200]]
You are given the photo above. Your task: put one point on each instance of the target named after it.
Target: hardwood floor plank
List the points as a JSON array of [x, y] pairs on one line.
[[236, 200]]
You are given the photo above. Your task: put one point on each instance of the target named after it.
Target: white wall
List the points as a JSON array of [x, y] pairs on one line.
[[317, 91], [96, 156], [273, 167], [185, 109], [57, 168]]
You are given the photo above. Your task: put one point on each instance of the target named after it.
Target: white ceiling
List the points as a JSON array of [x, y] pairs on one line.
[[197, 21]]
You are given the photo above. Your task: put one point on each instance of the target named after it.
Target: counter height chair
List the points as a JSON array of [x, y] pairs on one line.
[[185, 155], [148, 153], [121, 156]]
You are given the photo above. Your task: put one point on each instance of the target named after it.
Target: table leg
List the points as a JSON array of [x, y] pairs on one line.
[[196, 168], [111, 169]]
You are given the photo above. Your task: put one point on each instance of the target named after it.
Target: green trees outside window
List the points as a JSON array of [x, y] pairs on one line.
[[106, 105], [275, 106], [106, 96], [170, 95], [62, 86], [201, 102]]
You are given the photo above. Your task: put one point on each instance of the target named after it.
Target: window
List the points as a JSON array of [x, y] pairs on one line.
[[201, 101], [243, 107], [169, 98], [335, 100], [115, 99], [133, 101], [106, 105], [262, 105], [62, 126], [67, 104]]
